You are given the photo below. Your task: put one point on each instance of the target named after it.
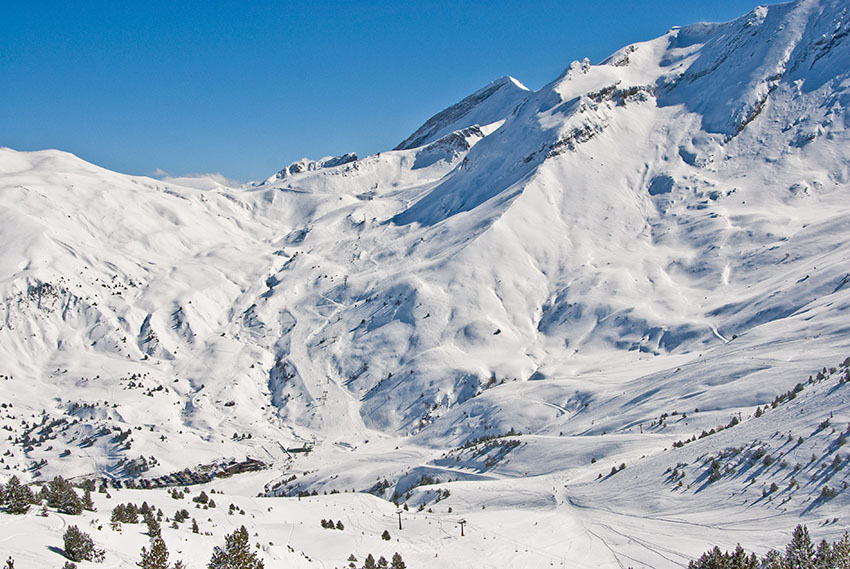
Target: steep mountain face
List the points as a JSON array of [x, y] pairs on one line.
[[667, 229], [487, 106]]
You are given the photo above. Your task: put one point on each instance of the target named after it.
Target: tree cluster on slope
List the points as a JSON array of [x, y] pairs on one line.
[[369, 563], [800, 553]]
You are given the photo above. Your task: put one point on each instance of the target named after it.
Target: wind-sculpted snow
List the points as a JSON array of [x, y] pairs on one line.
[[530, 274]]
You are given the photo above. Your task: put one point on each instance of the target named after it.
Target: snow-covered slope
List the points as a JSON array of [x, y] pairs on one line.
[[530, 281], [487, 106]]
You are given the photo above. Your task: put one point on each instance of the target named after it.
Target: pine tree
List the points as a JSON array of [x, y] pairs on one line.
[[79, 546], [154, 529], [352, 561], [386, 536], [772, 560], [236, 554], [841, 552], [156, 558], [62, 496], [369, 563], [19, 497], [711, 559], [800, 553], [382, 562], [87, 502], [739, 559], [397, 562], [823, 556], [125, 513]]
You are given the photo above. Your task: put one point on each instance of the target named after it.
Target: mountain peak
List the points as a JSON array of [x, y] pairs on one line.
[[487, 105]]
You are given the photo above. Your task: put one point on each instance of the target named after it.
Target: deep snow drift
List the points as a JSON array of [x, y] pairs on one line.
[[533, 288]]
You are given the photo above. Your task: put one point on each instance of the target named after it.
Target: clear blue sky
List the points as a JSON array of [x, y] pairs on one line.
[[244, 88]]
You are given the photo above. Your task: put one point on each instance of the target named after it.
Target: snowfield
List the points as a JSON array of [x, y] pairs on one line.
[[605, 323]]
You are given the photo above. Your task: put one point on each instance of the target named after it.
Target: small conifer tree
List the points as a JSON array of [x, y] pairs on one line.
[[62, 496], [823, 555], [87, 502], [18, 496], [841, 552], [397, 562], [154, 529], [156, 558], [236, 554], [740, 560], [79, 546], [800, 552]]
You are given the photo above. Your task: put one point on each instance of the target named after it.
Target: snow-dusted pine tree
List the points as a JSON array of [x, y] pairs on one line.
[[236, 554]]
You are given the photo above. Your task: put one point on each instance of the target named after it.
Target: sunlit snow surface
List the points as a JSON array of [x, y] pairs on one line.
[[664, 232]]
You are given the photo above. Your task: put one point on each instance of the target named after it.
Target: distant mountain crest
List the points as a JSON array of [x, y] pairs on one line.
[[487, 105], [307, 165]]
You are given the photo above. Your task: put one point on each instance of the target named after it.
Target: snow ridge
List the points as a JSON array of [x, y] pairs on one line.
[[487, 105]]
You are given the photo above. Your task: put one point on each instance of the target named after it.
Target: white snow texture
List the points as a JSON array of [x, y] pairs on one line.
[[640, 251]]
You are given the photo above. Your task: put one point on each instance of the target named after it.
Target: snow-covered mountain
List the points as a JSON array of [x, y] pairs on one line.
[[585, 265], [488, 106]]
